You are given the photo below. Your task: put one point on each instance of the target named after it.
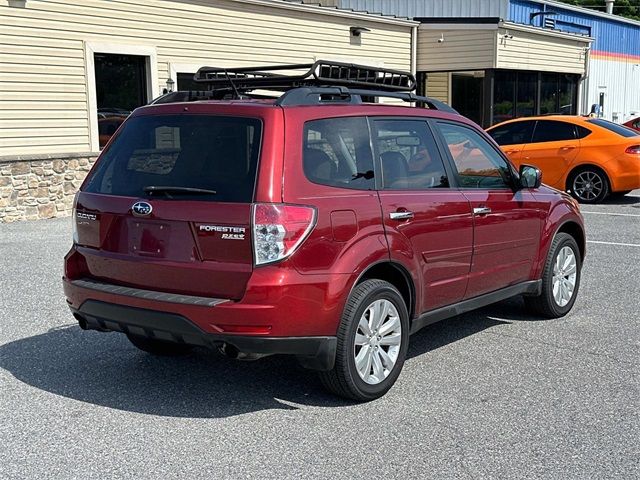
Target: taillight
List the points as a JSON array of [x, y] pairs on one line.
[[74, 219], [279, 229], [633, 150]]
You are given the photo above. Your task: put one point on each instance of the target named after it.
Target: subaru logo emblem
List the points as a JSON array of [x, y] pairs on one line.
[[141, 209]]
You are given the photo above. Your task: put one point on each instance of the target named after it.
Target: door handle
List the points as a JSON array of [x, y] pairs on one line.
[[511, 152], [481, 210], [567, 147], [401, 215]]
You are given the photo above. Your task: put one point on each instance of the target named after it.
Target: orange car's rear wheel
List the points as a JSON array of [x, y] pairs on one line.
[[589, 185]]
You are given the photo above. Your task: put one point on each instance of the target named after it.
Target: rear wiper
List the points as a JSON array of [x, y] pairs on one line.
[[167, 189]]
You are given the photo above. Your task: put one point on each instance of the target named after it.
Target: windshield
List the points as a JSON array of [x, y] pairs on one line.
[[614, 127], [199, 157]]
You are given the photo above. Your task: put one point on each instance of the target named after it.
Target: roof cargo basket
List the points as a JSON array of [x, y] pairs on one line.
[[320, 73], [322, 82]]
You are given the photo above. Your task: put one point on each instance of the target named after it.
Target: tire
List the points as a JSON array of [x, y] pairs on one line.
[[375, 353], [589, 185], [547, 303], [159, 347]]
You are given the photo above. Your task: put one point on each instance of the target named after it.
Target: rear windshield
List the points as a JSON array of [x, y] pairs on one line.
[[182, 152], [614, 127]]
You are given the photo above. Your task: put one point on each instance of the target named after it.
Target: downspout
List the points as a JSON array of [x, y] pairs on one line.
[[414, 53], [583, 87], [414, 49]]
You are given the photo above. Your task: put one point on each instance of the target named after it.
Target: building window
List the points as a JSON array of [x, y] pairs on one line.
[[121, 86], [526, 88], [504, 93], [466, 94], [120, 78], [557, 94], [186, 82]]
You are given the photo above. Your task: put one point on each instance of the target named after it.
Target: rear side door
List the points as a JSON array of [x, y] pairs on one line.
[[553, 148], [507, 223], [427, 223], [512, 138]]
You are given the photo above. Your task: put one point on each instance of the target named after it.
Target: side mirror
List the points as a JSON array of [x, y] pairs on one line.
[[530, 177]]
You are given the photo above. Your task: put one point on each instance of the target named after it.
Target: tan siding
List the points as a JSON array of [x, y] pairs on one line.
[[42, 52], [438, 86], [461, 50], [528, 51]]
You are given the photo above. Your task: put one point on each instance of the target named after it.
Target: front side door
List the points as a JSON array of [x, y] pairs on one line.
[[512, 137], [427, 223], [554, 147], [507, 223]]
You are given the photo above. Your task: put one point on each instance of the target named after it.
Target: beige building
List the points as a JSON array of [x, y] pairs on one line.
[[491, 70], [71, 70]]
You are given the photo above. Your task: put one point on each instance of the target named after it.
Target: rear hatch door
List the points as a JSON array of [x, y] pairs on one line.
[[168, 205]]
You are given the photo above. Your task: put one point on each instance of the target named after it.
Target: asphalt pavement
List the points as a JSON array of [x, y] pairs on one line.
[[496, 393]]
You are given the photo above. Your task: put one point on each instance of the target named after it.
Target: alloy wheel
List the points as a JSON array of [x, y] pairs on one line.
[[564, 276], [377, 341], [588, 185]]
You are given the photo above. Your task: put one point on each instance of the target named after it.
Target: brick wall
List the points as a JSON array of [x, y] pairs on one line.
[[40, 188]]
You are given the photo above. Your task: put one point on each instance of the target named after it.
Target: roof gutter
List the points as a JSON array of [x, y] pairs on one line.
[[587, 11], [330, 11], [545, 31]]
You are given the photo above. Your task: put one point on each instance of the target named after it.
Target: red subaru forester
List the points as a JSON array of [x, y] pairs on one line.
[[313, 222]]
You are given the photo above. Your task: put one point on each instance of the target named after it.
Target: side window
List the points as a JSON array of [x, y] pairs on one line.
[[477, 163], [513, 133], [409, 156], [582, 132], [553, 131], [337, 152]]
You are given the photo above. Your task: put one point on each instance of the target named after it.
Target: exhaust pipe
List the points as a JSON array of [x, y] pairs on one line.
[[232, 352]]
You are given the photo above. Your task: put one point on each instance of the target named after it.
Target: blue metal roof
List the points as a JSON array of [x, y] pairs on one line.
[[611, 34]]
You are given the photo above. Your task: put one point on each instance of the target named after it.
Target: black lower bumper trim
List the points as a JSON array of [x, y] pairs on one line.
[[317, 353]]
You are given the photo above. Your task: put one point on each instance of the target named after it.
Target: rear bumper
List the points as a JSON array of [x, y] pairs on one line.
[[278, 301], [624, 173], [316, 352]]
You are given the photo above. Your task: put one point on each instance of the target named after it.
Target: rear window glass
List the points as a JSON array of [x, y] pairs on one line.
[[176, 153], [614, 127]]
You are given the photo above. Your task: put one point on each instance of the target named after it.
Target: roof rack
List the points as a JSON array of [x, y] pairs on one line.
[[322, 82], [320, 73], [310, 96]]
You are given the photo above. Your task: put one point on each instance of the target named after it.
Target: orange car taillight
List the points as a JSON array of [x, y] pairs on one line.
[[278, 229], [633, 150]]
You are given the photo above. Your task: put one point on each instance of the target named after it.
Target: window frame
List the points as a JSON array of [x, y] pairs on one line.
[[454, 181], [151, 66], [373, 131]]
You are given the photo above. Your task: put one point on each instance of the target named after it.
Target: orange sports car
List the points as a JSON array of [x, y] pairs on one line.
[[590, 157]]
